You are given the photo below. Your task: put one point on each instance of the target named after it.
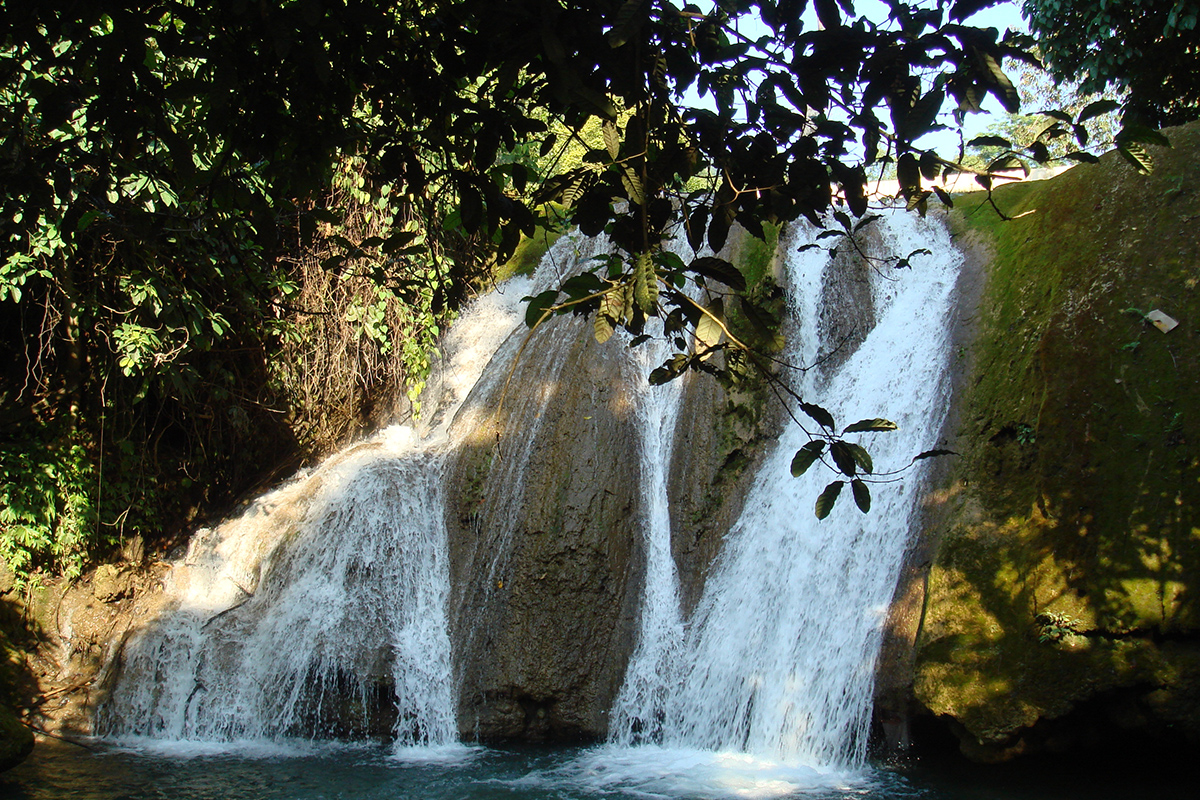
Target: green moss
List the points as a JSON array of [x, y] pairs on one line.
[[1078, 486], [531, 249], [756, 258]]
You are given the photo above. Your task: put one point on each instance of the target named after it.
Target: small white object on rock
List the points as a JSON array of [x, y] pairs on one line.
[[1161, 321]]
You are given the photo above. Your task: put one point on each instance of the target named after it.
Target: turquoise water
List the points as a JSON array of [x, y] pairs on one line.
[[255, 772]]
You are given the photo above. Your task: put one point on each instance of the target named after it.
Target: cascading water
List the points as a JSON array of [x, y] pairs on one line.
[[778, 658], [329, 608], [322, 610], [660, 623]]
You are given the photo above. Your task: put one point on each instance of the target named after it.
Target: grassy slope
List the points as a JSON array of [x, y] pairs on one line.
[[1080, 480]]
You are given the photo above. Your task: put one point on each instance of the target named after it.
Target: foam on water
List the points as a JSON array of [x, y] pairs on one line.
[[652, 771]]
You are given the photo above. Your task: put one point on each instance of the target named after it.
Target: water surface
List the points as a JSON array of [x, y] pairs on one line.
[[253, 771]]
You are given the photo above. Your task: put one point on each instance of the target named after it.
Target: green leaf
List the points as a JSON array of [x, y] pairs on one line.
[[876, 424], [612, 304], [865, 221], [625, 25], [843, 459], [471, 208], [990, 141], [603, 327], [918, 201], [612, 139], [1137, 155], [1008, 162], [806, 456], [708, 329], [582, 285], [645, 283], [1002, 88], [719, 270], [930, 165], [538, 305], [1058, 114], [820, 415], [827, 498], [398, 240], [87, 219], [933, 453], [1143, 134], [908, 170], [1081, 135], [860, 456], [828, 15], [633, 186], [862, 495], [1092, 110]]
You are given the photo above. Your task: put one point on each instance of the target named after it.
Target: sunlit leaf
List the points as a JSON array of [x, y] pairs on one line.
[[1137, 155], [708, 329]]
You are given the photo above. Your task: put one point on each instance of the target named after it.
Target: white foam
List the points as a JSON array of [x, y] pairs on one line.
[[658, 772]]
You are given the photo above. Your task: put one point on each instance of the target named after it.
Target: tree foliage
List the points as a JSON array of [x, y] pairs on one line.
[[1149, 48], [164, 160], [1063, 124]]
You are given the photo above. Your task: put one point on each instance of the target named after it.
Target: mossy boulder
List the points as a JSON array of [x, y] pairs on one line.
[[1067, 570]]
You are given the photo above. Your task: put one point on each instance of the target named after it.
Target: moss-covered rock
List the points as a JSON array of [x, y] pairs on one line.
[[1068, 570]]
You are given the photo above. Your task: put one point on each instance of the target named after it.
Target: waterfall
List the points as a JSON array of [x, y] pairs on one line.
[[778, 658], [660, 623], [342, 606], [321, 611]]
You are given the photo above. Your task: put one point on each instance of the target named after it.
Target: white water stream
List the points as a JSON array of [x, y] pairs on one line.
[[332, 590], [769, 685], [321, 611]]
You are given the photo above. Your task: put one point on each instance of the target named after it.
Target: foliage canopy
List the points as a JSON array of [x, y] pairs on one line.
[[163, 161], [1151, 48]]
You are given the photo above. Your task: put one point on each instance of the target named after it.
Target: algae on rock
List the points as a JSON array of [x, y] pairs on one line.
[[1068, 572]]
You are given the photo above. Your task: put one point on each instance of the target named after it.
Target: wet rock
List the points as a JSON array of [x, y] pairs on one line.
[[545, 551]]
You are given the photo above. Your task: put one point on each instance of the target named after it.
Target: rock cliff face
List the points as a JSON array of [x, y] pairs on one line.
[[1062, 606], [545, 515], [544, 562]]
